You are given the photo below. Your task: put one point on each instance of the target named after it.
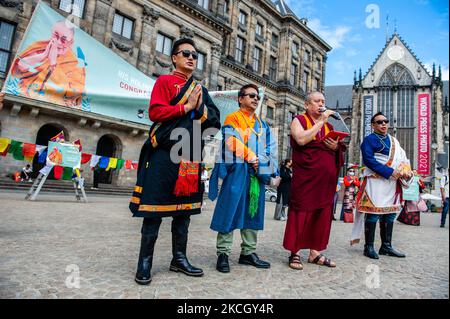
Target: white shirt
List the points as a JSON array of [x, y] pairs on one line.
[[444, 184]]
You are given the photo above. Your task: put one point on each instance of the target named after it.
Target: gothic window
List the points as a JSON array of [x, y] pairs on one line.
[[396, 99]]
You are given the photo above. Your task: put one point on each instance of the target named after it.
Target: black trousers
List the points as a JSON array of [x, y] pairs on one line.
[[96, 177], [180, 226]]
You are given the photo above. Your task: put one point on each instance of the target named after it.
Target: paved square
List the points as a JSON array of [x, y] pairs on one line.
[[40, 241]]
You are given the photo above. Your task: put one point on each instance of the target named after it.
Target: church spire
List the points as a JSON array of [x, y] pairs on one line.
[[360, 77]]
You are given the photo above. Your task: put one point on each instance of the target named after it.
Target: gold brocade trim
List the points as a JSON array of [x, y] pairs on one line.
[[188, 92], [138, 189], [135, 200], [379, 210], [205, 115], [169, 208]]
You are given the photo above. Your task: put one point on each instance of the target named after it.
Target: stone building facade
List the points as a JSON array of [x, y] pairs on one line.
[[396, 84], [240, 41]]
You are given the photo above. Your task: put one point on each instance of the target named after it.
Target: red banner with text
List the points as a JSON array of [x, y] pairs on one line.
[[423, 160]]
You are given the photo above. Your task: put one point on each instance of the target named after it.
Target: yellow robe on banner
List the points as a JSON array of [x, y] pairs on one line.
[[64, 85]]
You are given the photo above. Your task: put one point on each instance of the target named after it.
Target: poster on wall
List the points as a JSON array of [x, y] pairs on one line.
[[423, 160], [63, 154], [59, 63], [368, 113]]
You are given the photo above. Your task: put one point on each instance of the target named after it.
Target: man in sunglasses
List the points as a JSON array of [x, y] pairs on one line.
[[380, 195], [248, 162], [169, 182]]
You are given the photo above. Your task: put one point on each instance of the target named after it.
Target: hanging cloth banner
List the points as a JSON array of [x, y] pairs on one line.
[[4, 144], [58, 171], [67, 174], [104, 162], [17, 150], [94, 161], [28, 152], [112, 164], [85, 158], [40, 149], [42, 157], [128, 164], [120, 163]]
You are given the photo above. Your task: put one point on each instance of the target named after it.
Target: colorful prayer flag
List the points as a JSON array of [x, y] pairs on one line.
[[59, 138]]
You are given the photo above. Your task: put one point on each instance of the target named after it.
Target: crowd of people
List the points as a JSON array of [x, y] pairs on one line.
[[171, 181], [307, 184]]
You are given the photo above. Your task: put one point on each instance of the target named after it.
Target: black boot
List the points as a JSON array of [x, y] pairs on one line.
[[222, 263], [386, 240], [369, 232], [179, 261], [143, 273]]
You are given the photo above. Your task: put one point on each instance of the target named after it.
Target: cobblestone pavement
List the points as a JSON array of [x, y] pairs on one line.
[[40, 241]]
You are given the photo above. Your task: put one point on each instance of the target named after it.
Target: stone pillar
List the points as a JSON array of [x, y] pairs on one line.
[[216, 52], [99, 25], [149, 18], [324, 64]]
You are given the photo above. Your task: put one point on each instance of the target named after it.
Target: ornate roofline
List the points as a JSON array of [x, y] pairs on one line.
[[277, 86], [384, 49], [204, 15]]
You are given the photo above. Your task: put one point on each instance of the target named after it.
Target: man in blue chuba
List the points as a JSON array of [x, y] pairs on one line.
[[246, 164]]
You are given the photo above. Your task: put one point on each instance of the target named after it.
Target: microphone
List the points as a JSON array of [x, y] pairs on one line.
[[324, 109]]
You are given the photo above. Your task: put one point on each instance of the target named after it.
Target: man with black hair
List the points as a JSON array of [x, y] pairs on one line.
[[169, 183], [249, 161], [387, 167]]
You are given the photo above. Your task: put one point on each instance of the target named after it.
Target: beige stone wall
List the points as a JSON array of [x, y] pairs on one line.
[[215, 35]]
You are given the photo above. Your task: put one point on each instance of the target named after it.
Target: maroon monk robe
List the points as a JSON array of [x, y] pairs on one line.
[[315, 174]]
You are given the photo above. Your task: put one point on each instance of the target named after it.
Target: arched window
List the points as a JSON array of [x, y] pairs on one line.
[[396, 99]]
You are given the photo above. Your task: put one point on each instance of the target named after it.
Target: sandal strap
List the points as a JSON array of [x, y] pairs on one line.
[[316, 260]]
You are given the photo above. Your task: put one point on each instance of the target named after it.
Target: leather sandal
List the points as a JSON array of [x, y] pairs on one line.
[[326, 261], [295, 262]]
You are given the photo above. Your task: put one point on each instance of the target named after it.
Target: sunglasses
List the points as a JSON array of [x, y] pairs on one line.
[[252, 96], [379, 122], [187, 53]]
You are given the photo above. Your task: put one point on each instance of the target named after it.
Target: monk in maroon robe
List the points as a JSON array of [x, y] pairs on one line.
[[316, 164]]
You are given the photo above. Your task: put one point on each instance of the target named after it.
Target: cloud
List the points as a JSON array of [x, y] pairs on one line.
[[333, 36], [342, 67], [302, 8], [445, 74], [351, 52]]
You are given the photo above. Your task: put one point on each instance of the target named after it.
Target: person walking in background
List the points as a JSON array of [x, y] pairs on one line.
[[283, 190], [410, 214], [444, 195], [351, 183]]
